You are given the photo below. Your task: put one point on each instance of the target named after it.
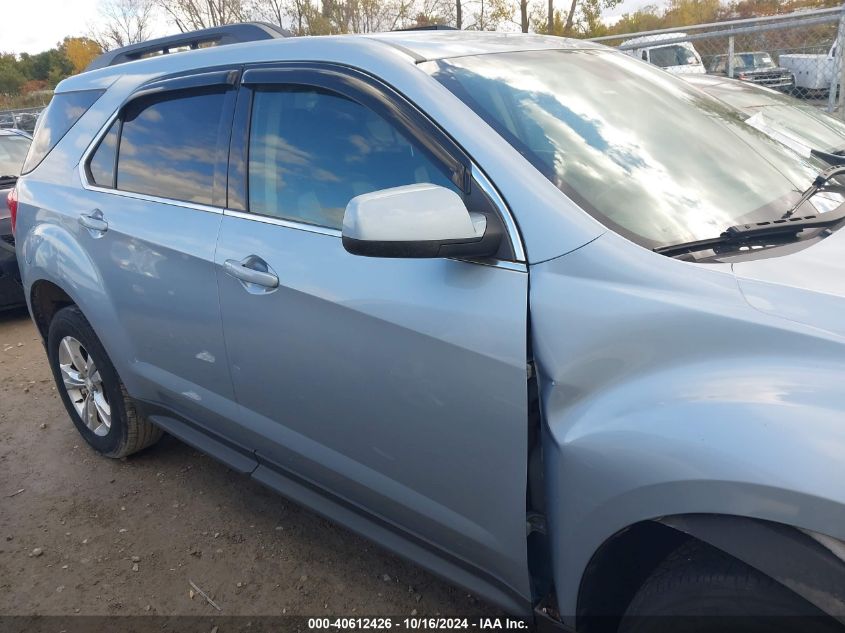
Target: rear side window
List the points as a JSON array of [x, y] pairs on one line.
[[102, 164], [64, 111], [168, 146]]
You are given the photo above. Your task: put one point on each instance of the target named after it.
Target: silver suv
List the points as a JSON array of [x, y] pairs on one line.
[[539, 316]]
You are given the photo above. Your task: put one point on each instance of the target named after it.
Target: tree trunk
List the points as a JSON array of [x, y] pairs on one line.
[[523, 15], [551, 17], [458, 13], [567, 28]]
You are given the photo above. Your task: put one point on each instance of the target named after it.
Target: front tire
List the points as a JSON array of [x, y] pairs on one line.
[[699, 589], [91, 390]]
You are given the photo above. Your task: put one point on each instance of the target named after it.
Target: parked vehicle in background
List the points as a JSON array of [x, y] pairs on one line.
[[14, 146], [757, 67], [26, 121], [520, 308], [17, 120], [802, 127], [679, 58], [812, 71]]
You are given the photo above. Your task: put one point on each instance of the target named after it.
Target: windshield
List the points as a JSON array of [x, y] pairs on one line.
[[666, 56], [645, 153], [753, 60], [13, 151]]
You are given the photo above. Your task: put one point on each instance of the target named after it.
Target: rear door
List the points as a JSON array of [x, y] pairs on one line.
[[152, 208], [396, 385]]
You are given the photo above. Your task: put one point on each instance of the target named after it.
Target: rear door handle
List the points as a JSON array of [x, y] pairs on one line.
[[94, 221], [252, 270]]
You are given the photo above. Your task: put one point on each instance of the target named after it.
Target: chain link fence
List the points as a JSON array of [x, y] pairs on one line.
[[797, 53]]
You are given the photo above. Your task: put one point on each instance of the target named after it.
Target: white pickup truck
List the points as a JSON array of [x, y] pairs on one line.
[[812, 71]]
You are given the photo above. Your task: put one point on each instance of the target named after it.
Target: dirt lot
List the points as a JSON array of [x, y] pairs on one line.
[[93, 536]]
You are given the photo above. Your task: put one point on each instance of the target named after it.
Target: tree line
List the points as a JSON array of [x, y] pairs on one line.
[[27, 79]]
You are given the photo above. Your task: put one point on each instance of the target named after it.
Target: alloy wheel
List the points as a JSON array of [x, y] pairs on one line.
[[84, 385]]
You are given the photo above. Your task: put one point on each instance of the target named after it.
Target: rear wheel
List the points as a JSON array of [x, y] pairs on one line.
[[701, 589], [91, 390]]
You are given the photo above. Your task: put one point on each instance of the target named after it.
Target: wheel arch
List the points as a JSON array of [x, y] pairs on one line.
[[57, 271], [806, 563], [46, 299]]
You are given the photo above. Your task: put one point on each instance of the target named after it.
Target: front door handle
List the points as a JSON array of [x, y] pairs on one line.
[[94, 221], [251, 270]]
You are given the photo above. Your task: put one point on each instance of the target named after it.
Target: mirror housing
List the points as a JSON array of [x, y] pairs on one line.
[[422, 220]]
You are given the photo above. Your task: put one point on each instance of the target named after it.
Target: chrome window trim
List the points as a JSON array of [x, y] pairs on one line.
[[504, 212], [519, 267], [142, 196], [288, 224]]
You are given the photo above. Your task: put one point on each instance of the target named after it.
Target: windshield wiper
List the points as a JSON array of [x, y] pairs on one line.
[[831, 158], [818, 184], [781, 229]]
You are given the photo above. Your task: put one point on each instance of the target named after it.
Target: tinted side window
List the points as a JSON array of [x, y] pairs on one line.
[[101, 165], [64, 110], [168, 145], [311, 151]]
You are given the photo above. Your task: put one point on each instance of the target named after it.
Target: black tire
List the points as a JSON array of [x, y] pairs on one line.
[[128, 432], [700, 589]]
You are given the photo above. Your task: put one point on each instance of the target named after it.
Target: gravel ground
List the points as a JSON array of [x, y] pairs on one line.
[[83, 534]]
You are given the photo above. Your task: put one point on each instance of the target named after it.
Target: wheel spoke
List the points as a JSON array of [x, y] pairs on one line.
[[89, 412], [73, 351], [71, 377], [102, 408]]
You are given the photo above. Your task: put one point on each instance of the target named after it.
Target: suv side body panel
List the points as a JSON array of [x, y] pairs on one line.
[[484, 538], [633, 430]]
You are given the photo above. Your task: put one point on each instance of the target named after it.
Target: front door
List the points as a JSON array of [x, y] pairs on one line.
[[398, 385]]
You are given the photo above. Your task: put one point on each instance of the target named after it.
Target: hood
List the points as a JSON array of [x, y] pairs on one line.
[[807, 286]]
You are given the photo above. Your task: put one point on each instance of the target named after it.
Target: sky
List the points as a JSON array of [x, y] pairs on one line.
[[49, 21]]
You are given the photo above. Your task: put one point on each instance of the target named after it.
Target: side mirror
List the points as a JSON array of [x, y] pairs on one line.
[[421, 220]]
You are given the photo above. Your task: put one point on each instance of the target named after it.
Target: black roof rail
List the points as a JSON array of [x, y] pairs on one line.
[[430, 27], [216, 36]]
